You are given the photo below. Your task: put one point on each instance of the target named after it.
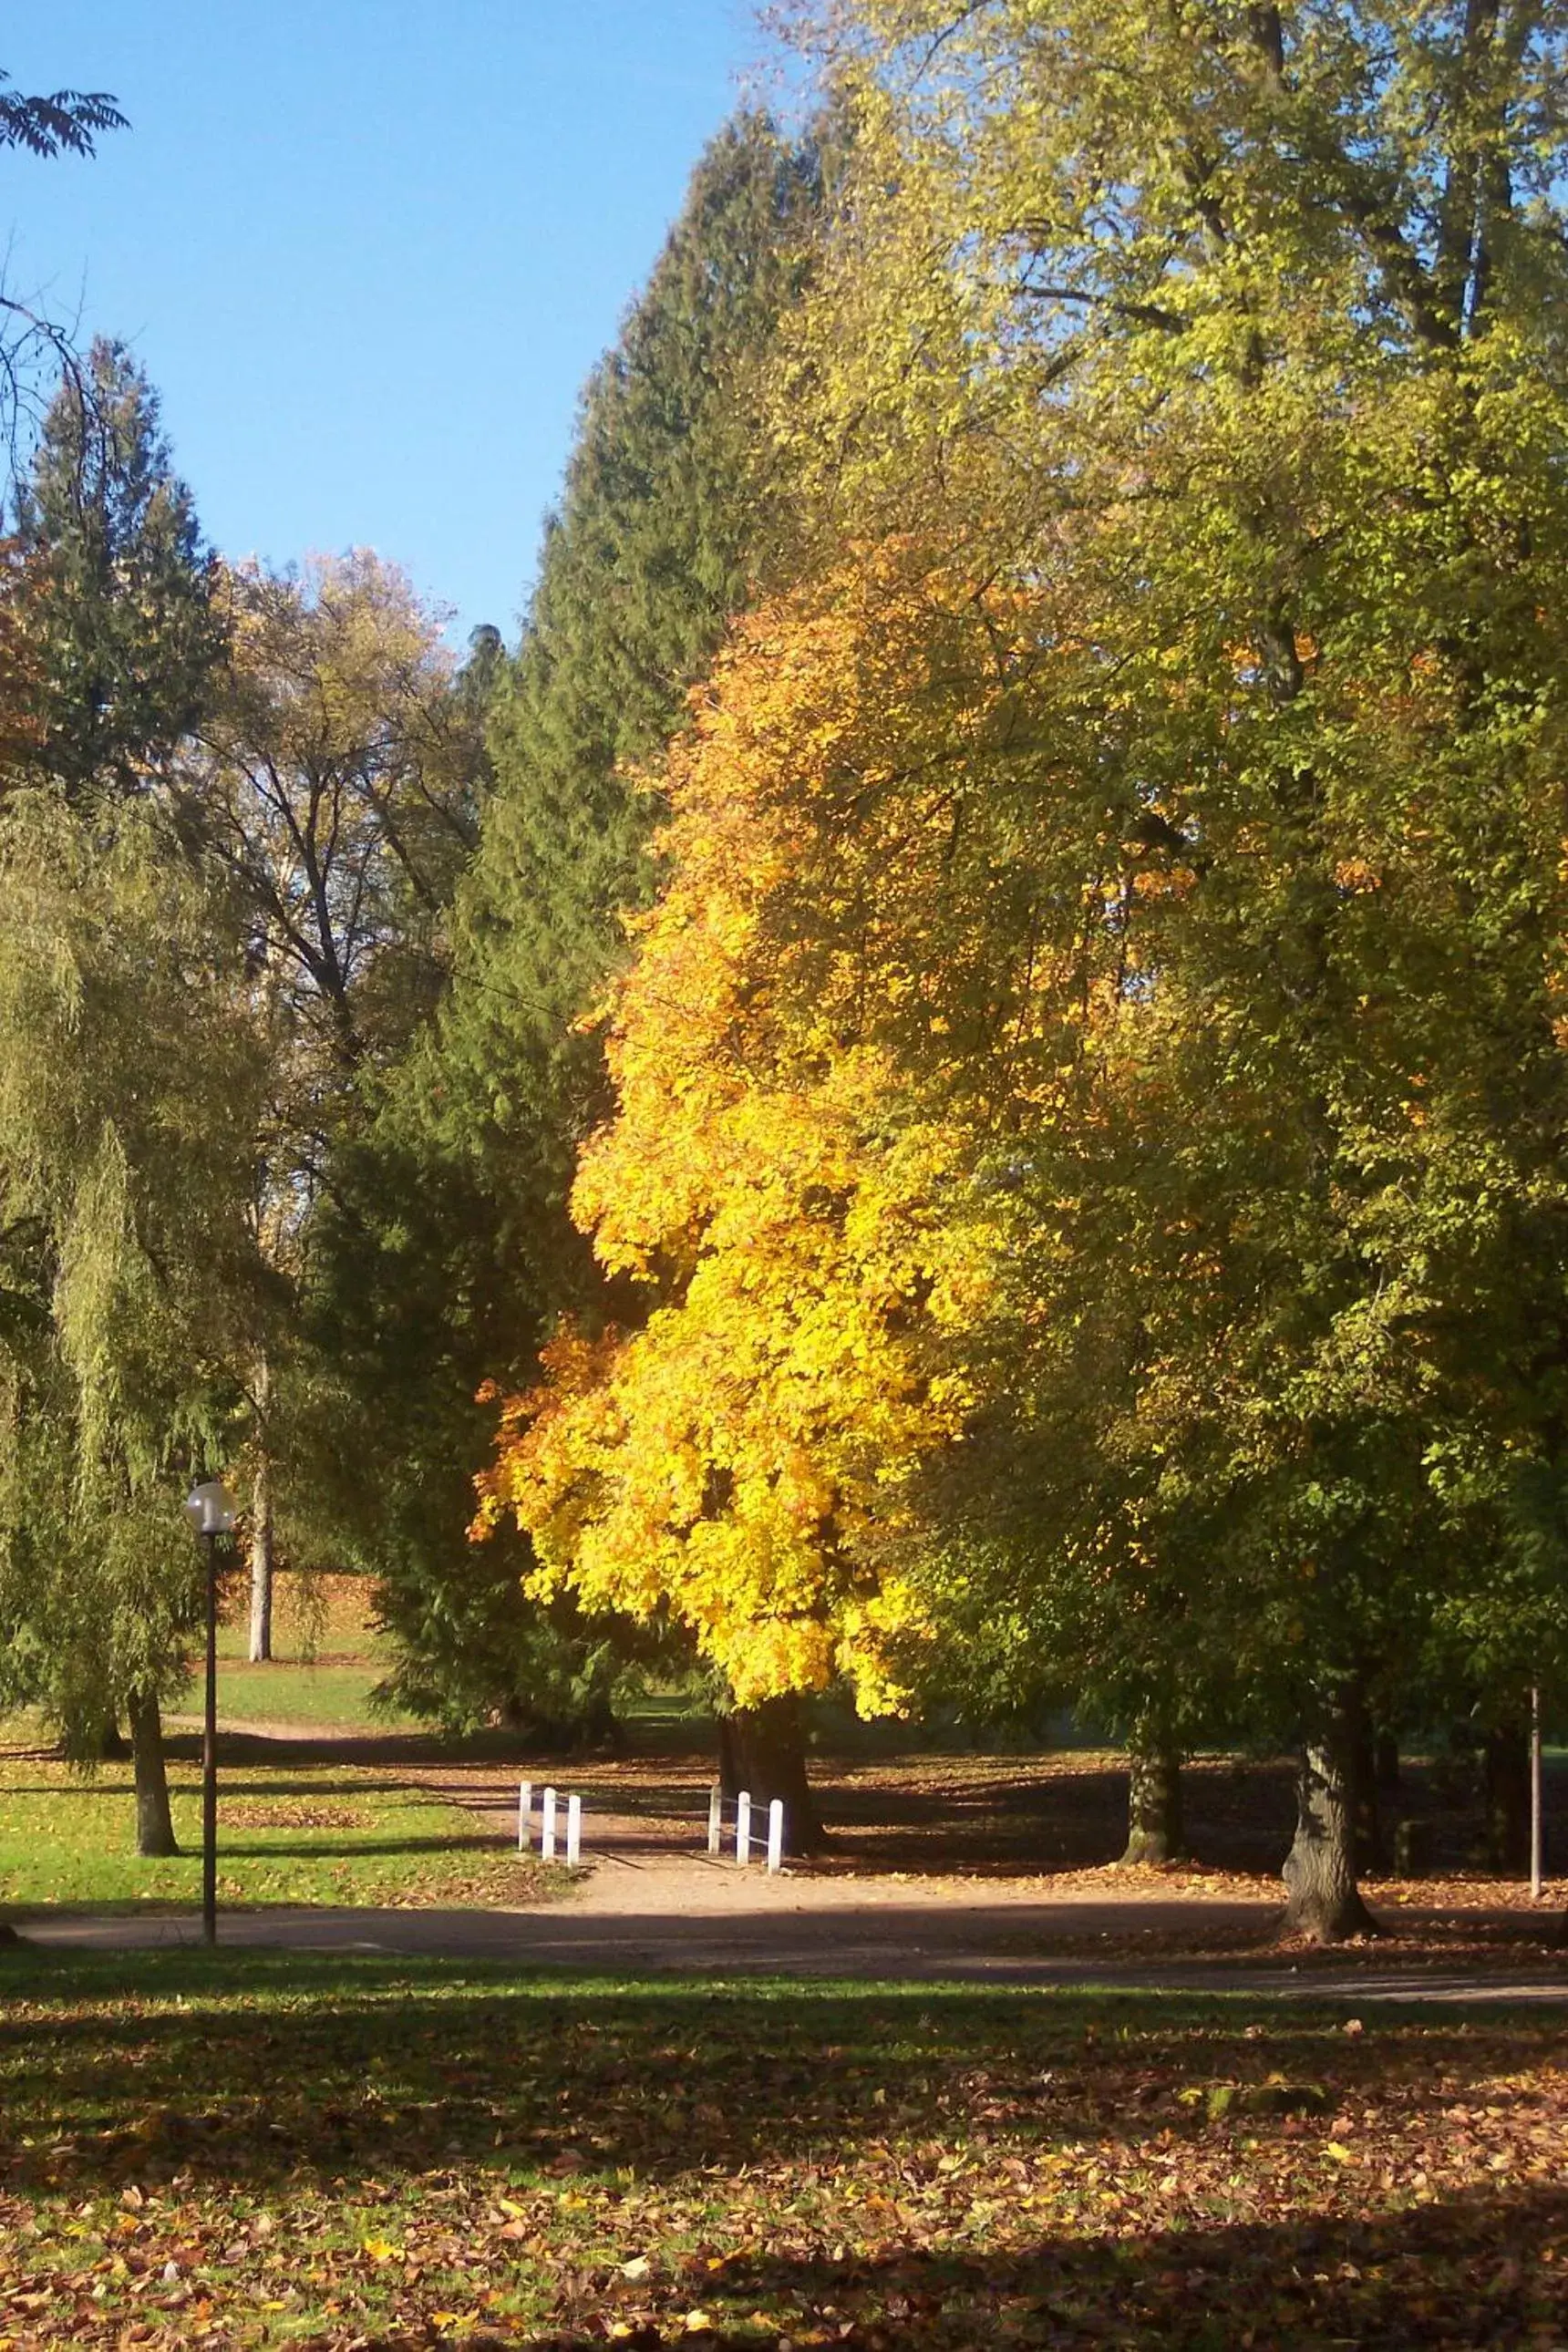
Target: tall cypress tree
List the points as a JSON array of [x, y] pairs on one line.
[[660, 531], [663, 521], [122, 607]]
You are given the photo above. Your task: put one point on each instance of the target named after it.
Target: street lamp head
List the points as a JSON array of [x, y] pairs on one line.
[[209, 1507]]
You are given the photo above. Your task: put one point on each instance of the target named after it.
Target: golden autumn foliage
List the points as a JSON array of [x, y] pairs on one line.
[[800, 1052]]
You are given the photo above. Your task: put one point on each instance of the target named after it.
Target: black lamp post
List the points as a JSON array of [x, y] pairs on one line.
[[210, 1509]]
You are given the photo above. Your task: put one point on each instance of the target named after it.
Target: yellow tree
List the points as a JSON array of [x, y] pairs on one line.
[[830, 1011]]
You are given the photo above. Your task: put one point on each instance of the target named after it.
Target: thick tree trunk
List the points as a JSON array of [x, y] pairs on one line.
[[762, 1750], [155, 1824], [1508, 1796], [1324, 1901], [1154, 1831], [261, 1563]]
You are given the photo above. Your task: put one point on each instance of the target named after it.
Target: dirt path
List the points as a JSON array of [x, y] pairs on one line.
[[651, 1898], [1014, 1944]]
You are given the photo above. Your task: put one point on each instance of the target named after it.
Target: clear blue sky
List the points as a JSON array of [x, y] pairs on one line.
[[369, 249]]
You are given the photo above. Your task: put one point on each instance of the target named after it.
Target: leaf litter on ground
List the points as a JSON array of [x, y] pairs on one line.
[[268, 2150]]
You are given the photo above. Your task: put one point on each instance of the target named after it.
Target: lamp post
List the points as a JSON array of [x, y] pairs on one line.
[[210, 1509], [1535, 1838]]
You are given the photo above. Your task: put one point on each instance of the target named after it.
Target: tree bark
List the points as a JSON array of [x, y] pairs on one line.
[[1154, 1830], [261, 1553], [1323, 1899], [762, 1750], [1508, 1796], [155, 1824]]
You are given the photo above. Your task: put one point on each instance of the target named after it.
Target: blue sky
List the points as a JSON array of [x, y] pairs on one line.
[[369, 249]]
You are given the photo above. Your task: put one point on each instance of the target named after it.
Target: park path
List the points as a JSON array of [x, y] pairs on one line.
[[972, 1943], [651, 1899]]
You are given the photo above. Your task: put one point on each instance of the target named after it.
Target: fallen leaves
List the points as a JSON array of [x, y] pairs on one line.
[[371, 2154]]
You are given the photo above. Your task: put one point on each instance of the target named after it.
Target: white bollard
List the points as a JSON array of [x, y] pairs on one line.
[[715, 1817], [775, 1835], [524, 1816], [547, 1826], [744, 1828], [574, 1831]]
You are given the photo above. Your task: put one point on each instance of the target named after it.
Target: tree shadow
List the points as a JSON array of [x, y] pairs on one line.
[[232, 1848], [1470, 2270], [281, 1791], [251, 2069]]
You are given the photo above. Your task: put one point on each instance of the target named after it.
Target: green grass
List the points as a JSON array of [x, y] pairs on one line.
[[334, 1693], [328, 1656], [250, 2148], [285, 1835]]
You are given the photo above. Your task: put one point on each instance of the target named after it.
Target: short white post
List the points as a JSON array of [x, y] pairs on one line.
[[775, 1835], [715, 1817], [547, 1826], [524, 1816], [573, 1831], [744, 1828]]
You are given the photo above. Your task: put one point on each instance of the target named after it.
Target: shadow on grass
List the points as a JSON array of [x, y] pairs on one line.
[[251, 2068], [1474, 2269], [118, 1792], [233, 1848]]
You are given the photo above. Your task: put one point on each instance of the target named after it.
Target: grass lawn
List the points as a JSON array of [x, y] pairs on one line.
[[256, 2149], [327, 1658], [334, 1692], [334, 1834]]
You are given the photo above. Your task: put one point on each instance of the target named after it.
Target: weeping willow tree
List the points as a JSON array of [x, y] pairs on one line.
[[129, 1089]]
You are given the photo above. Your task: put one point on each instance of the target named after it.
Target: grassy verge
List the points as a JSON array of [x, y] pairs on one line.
[[328, 1656], [258, 2149], [285, 1835], [335, 1692]]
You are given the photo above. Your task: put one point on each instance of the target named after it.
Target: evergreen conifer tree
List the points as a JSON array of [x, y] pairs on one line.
[[124, 615], [663, 522], [661, 527]]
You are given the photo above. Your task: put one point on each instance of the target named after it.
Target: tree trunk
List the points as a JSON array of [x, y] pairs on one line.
[[1385, 1752], [1153, 1796], [1508, 1796], [1323, 1899], [155, 1824], [762, 1750], [261, 1558]]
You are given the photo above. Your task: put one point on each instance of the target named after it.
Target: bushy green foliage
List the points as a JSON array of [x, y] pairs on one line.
[[1238, 366]]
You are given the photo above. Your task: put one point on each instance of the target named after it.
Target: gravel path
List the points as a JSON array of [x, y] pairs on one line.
[[979, 1941], [651, 1899]]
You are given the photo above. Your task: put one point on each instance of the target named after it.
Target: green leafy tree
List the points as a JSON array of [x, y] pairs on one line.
[[333, 790], [1233, 333], [130, 1088], [661, 527]]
